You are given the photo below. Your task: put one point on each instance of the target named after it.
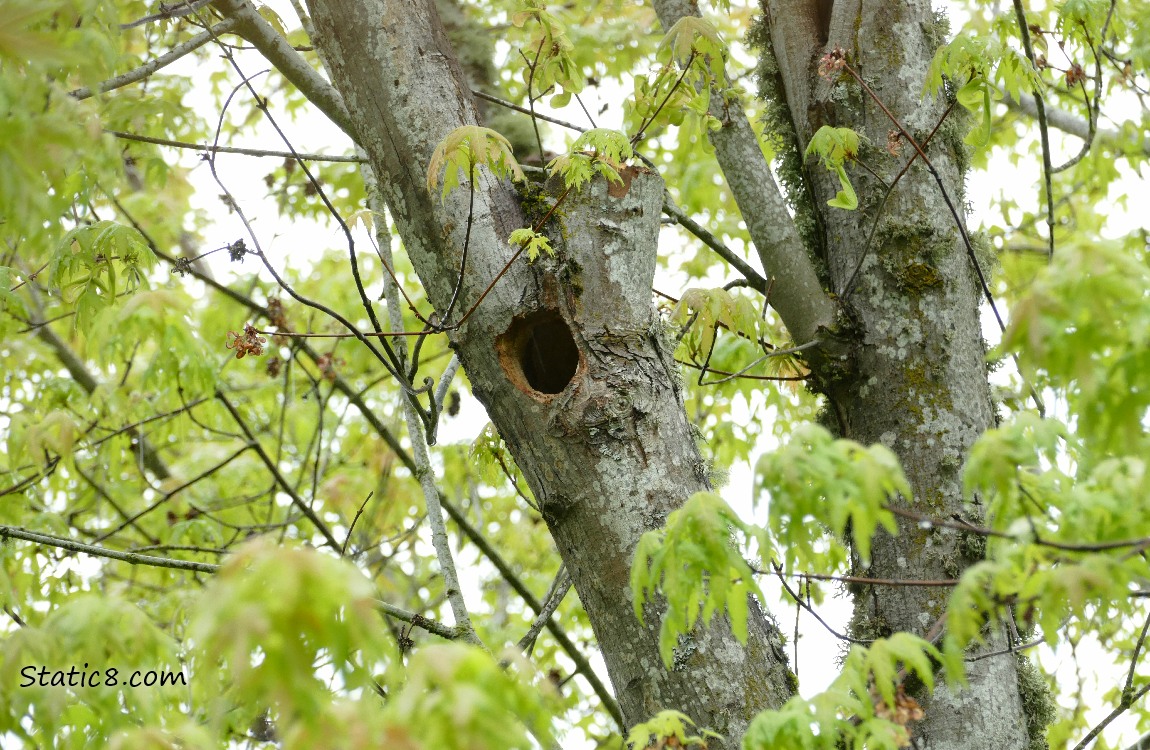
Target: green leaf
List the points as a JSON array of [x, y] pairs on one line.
[[839, 483], [975, 97], [834, 146], [696, 566], [532, 241], [596, 151], [466, 148]]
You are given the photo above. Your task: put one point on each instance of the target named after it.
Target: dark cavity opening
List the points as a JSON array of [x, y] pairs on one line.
[[539, 352]]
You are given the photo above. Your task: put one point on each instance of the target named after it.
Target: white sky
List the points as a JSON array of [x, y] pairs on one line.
[[284, 239]]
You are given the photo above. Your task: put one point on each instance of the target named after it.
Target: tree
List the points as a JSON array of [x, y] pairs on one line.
[[281, 532]]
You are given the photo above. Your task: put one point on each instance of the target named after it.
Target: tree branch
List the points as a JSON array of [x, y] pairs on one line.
[[275, 472], [132, 558], [156, 63], [753, 277], [251, 26], [86, 380], [431, 626], [214, 149], [796, 292], [1066, 122], [583, 665], [423, 470]]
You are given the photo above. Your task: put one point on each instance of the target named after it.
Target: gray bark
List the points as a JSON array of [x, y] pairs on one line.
[[918, 381], [794, 288], [566, 355]]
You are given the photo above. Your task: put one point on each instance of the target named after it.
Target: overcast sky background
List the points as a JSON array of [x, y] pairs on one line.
[[287, 241]]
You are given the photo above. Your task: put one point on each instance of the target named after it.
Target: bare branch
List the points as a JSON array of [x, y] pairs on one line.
[[156, 63], [214, 149], [431, 626], [280, 480], [168, 11], [423, 470], [252, 27], [1126, 703], [132, 558], [1067, 123], [797, 294], [559, 588], [1043, 128], [753, 277]]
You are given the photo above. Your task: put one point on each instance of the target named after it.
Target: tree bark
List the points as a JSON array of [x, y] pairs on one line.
[[918, 381], [567, 355]]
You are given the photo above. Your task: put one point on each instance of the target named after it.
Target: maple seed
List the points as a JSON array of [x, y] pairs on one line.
[[248, 342], [894, 142], [1075, 75], [237, 250], [832, 63], [329, 365]]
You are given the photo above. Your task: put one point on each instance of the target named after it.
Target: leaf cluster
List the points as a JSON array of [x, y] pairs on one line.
[[464, 149], [695, 562]]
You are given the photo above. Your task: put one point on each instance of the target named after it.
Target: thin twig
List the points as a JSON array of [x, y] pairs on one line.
[[275, 472], [158, 62], [1128, 688], [799, 600], [753, 277], [526, 111], [558, 591], [168, 11], [424, 623], [1093, 108], [1125, 704], [421, 463], [351, 528], [208, 148], [132, 558], [1043, 129]]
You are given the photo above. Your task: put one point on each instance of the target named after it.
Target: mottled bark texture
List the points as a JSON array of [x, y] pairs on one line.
[[566, 354], [795, 291], [918, 380]]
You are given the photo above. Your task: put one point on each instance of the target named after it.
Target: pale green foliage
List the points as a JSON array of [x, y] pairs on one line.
[[458, 697], [272, 617], [534, 242], [45, 49], [666, 729], [89, 264], [692, 35], [1008, 463], [36, 440], [466, 148], [296, 632], [979, 66], [709, 309], [550, 54], [1084, 327], [693, 58], [697, 565], [860, 710], [834, 147], [92, 633], [838, 483], [597, 151]]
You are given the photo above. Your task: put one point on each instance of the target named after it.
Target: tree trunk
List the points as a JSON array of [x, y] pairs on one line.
[[918, 383], [567, 355]]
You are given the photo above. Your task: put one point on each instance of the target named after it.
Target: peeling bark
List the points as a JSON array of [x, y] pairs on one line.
[[567, 355]]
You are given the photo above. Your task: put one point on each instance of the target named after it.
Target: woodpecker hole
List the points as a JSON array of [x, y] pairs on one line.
[[538, 353]]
